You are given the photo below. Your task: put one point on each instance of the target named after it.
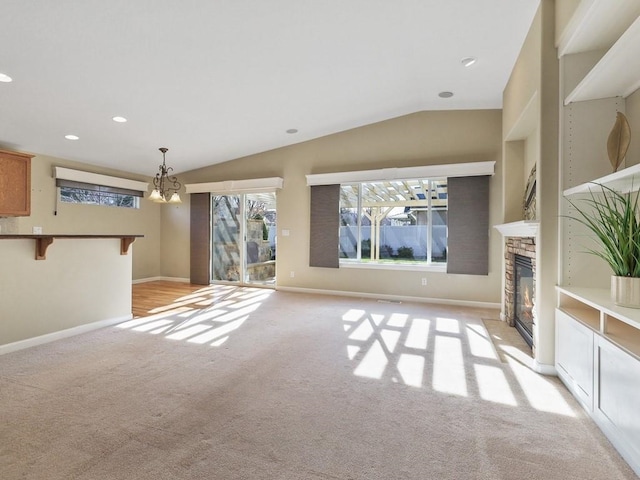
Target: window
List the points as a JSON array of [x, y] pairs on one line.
[[77, 186], [394, 222], [89, 194], [360, 207]]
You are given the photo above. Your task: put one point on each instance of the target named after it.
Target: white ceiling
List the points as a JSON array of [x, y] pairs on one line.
[[217, 80]]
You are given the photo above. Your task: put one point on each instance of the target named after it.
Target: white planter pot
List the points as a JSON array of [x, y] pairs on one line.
[[625, 291]]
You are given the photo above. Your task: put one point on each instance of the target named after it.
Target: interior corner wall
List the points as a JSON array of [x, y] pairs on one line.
[[524, 82], [633, 116], [90, 219], [174, 230], [564, 10], [535, 75], [425, 138], [547, 271], [513, 171]]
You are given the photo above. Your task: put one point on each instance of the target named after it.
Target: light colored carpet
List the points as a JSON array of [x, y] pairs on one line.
[[271, 385], [508, 343]]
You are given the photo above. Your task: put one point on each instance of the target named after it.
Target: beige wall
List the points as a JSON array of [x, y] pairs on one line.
[[564, 10], [535, 78], [90, 219], [524, 82], [420, 139], [82, 281]]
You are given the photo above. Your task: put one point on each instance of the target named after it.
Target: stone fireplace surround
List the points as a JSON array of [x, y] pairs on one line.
[[519, 238], [525, 246]]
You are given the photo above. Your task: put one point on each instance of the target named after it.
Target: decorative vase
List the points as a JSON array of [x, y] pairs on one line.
[[625, 291], [618, 142]]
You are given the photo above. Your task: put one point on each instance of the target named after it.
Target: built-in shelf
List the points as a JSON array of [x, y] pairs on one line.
[[617, 74], [623, 181], [523, 228], [623, 335], [43, 241], [597, 354], [594, 308], [596, 25], [587, 316]]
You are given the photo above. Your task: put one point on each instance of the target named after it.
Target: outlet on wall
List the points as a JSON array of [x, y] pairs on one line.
[[292, 274], [424, 282], [37, 230]]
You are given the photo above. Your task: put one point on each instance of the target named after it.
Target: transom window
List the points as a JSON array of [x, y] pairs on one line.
[[88, 194], [396, 221]]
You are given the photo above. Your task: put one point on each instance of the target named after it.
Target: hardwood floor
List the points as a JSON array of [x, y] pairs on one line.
[[150, 298]]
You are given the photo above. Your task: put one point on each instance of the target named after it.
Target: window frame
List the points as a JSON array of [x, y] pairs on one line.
[[101, 192], [397, 264], [450, 171], [104, 185]]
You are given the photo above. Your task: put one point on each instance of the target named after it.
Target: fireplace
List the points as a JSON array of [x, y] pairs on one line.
[[519, 286], [523, 290]]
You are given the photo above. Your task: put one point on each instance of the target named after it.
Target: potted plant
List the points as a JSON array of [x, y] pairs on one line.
[[614, 219]]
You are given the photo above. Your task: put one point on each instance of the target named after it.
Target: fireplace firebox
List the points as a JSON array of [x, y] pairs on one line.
[[523, 297]]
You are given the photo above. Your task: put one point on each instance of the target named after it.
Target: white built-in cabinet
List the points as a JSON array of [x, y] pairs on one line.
[[598, 359], [597, 342]]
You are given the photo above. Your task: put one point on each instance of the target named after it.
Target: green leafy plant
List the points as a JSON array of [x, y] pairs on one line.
[[405, 252], [386, 251], [365, 250], [614, 219]]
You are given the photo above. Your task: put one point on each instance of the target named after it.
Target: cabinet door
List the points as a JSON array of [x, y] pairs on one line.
[[574, 357], [15, 184], [618, 399]]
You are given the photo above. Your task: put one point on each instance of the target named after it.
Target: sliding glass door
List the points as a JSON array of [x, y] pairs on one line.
[[243, 240], [226, 238]]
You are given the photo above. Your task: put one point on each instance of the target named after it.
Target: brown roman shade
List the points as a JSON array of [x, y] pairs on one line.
[[325, 225], [200, 238], [468, 225], [97, 188]]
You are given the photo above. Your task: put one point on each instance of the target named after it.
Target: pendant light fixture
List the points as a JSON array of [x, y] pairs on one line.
[[164, 184]]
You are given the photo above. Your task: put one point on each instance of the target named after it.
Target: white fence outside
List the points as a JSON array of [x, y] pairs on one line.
[[393, 237]]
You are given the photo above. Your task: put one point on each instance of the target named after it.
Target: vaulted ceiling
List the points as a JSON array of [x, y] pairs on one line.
[[218, 80]]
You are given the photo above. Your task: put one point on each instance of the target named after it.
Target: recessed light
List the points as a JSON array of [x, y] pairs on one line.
[[292, 130], [5, 78], [468, 61], [72, 137], [445, 94], [119, 119]]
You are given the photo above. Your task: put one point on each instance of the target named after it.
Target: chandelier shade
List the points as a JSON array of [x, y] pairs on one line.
[[165, 185]]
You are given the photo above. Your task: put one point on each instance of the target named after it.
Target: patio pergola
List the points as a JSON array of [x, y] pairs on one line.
[[380, 198]]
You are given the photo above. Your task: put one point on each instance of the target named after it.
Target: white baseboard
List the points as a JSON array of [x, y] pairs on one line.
[[167, 279], [544, 368], [69, 332], [391, 298]]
